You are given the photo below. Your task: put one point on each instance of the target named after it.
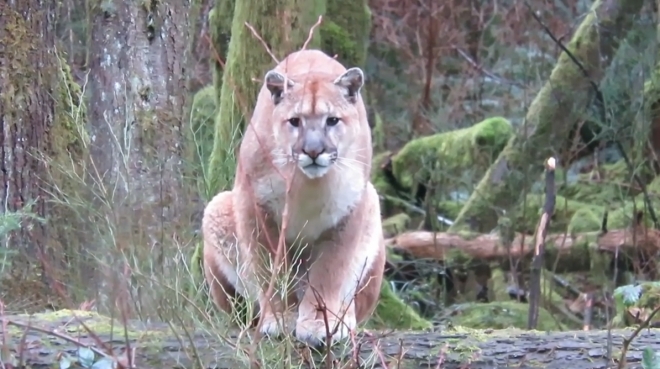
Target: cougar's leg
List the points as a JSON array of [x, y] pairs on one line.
[[348, 281], [368, 293], [220, 253]]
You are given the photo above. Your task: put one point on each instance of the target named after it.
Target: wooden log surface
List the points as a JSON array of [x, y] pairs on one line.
[[159, 346], [422, 244]]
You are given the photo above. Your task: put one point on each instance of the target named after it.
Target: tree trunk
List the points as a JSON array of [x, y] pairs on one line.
[[34, 126], [201, 55], [345, 31], [551, 116], [138, 104], [156, 346], [284, 26], [220, 23]]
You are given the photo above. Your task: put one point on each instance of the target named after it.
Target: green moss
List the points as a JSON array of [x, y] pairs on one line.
[[565, 209], [558, 106], [396, 224], [382, 185], [393, 313], [449, 154], [378, 132], [449, 208], [70, 322], [500, 315], [623, 215], [577, 216], [202, 122], [284, 26], [345, 31], [585, 220], [70, 113], [612, 186], [44, 113], [220, 23]]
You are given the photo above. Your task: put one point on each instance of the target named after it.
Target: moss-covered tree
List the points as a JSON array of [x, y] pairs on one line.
[[345, 31], [36, 119], [283, 25], [555, 110], [652, 97], [220, 23]]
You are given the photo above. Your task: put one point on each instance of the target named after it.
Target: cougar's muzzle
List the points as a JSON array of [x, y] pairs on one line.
[[315, 152]]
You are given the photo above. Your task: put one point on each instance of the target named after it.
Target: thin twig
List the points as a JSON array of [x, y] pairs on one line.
[[58, 335], [635, 333], [311, 32], [255, 34]]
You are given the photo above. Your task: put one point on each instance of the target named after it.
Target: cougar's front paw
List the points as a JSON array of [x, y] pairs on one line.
[[271, 328], [314, 332]]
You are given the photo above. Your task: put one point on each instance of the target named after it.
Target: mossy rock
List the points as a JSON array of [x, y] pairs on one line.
[[569, 214], [499, 315], [624, 214], [449, 154], [611, 187], [396, 224], [585, 220], [393, 313], [378, 179]]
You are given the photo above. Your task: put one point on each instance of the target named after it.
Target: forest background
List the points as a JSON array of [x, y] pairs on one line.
[[120, 120]]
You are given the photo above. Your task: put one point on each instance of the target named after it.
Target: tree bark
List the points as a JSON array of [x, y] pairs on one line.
[[160, 347], [201, 55], [220, 22], [345, 31], [138, 105], [574, 251], [555, 110], [30, 83], [283, 26]]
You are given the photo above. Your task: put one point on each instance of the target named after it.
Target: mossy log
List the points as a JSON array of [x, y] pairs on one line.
[[451, 153], [156, 345], [553, 114], [575, 251]]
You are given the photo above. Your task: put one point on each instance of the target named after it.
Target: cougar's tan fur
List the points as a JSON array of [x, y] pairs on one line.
[[309, 129]]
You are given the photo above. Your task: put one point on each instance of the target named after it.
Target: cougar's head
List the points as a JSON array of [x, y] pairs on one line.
[[316, 118]]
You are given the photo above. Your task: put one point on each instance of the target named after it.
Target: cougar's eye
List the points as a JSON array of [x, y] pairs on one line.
[[332, 121], [295, 122]]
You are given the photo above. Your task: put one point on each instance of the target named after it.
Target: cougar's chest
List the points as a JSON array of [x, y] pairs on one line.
[[313, 208], [317, 210]]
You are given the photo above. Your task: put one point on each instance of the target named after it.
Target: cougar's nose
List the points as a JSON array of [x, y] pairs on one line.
[[313, 146], [313, 152]]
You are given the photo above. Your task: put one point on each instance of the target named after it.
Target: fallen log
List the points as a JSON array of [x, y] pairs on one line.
[[157, 345], [574, 251]]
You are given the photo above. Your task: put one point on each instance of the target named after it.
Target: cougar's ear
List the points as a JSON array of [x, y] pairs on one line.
[[275, 84], [351, 82]]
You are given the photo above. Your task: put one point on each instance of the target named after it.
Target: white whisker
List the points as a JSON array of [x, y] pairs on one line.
[[346, 164], [351, 160]]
